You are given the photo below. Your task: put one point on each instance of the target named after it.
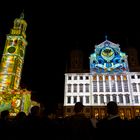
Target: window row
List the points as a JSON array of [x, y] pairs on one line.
[[100, 87], [109, 77], [75, 87], [102, 99], [135, 76], [136, 87], [78, 77]]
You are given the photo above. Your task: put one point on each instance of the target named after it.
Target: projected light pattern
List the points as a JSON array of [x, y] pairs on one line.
[[13, 98], [108, 58]]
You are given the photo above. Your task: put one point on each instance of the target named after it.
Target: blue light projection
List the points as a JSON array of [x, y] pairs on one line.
[[108, 58]]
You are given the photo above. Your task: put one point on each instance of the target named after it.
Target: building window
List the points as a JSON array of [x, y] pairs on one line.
[[75, 77], [101, 86], [81, 77], [87, 87], [107, 86], [113, 86], [139, 86], [108, 98], [94, 86], [127, 99], [74, 99], [95, 98], [132, 76], [125, 83], [101, 98], [87, 99], [138, 76], [69, 99], [120, 98], [69, 87], [134, 87], [119, 85], [81, 88], [87, 77], [114, 98], [136, 99], [74, 87], [81, 99], [69, 77]]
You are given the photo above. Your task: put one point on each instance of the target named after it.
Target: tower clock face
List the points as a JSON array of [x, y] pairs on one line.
[[21, 53], [11, 49]]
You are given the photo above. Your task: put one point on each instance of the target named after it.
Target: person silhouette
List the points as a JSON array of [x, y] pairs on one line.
[[113, 119]]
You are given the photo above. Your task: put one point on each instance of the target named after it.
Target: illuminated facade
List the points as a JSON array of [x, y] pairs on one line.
[[11, 96], [109, 80]]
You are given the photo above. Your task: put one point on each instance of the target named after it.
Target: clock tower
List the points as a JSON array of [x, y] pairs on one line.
[[13, 55]]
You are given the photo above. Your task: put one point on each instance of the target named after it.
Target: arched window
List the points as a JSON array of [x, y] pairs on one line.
[[114, 98], [108, 98], [101, 98], [95, 98], [127, 99], [120, 98]]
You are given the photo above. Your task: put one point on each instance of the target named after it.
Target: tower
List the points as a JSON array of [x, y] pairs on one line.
[[13, 55], [13, 98]]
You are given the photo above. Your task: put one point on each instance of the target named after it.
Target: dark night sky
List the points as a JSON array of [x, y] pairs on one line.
[[52, 32]]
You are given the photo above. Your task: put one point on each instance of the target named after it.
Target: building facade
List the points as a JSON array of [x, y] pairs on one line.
[[109, 79]]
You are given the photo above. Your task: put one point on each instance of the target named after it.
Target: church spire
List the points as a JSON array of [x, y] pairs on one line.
[[22, 15]]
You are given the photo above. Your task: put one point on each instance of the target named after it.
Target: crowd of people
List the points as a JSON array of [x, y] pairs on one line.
[[75, 125]]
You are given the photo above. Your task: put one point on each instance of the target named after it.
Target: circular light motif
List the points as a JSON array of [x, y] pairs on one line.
[[107, 53], [11, 49]]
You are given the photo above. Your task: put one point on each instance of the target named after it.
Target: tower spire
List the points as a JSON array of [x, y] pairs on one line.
[[22, 15], [105, 37]]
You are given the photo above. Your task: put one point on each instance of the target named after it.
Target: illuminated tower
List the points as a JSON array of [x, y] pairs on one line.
[[13, 55], [12, 97]]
